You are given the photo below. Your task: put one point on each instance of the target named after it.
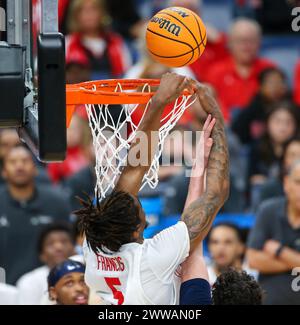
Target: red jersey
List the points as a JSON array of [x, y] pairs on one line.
[[234, 90]]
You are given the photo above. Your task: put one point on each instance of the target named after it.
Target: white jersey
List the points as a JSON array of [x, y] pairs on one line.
[[140, 274]]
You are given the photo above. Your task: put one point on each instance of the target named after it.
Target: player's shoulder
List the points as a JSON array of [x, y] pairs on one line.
[[173, 233]]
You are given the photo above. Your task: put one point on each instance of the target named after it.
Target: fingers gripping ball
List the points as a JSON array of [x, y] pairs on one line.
[[176, 37]]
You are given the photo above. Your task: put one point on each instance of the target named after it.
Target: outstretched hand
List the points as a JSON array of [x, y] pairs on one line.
[[204, 147], [171, 87], [208, 141]]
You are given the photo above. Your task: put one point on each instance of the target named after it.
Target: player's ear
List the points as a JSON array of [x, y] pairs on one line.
[[52, 294]]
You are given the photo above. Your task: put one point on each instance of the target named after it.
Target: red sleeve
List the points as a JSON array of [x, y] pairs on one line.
[[297, 84]]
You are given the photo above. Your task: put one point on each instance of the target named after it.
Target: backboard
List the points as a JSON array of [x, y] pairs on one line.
[[32, 85]]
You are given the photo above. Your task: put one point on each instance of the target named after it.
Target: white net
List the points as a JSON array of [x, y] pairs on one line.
[[111, 138]]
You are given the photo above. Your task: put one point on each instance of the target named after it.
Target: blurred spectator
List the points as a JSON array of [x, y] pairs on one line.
[[25, 207], [66, 284], [297, 84], [125, 18], [274, 246], [92, 43], [77, 72], [83, 181], [216, 46], [55, 244], [235, 79], [8, 139], [273, 186], [282, 124], [226, 249], [78, 136], [249, 125]]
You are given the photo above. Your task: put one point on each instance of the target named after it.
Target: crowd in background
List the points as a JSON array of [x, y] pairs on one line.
[[259, 100]]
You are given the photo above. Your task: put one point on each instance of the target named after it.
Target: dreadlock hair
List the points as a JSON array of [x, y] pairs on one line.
[[108, 224]]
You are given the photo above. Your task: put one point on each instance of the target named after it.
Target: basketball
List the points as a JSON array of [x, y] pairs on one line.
[[176, 37]]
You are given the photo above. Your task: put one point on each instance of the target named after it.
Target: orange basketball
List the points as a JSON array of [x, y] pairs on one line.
[[176, 37]]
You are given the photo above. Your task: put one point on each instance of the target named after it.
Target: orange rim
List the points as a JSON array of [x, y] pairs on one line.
[[106, 92]]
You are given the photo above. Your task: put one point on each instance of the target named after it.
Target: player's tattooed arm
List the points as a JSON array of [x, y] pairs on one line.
[[171, 86], [199, 215]]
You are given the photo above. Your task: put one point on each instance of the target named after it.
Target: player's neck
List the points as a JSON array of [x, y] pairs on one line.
[[139, 240], [21, 193]]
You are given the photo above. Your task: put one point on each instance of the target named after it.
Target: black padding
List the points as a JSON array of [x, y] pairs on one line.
[[11, 86], [51, 97]]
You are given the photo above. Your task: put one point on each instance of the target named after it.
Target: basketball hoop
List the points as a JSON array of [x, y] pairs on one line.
[[110, 138]]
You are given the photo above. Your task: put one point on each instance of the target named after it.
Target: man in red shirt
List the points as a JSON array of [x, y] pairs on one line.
[[235, 79], [297, 84]]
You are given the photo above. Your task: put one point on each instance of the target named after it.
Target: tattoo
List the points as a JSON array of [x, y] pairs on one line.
[[201, 213]]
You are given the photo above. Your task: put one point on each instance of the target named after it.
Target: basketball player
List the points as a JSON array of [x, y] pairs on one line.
[[121, 266], [232, 287]]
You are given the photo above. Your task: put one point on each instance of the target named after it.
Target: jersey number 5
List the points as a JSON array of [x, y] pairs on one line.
[[118, 295]]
